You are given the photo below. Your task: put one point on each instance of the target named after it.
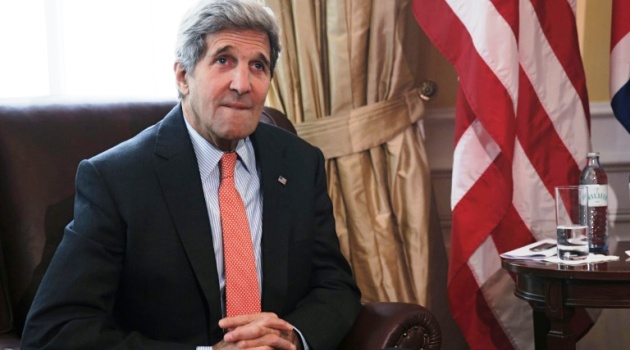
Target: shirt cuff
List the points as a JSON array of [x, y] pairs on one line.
[[204, 348], [304, 343]]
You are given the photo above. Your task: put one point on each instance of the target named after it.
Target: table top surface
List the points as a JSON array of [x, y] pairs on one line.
[[612, 270]]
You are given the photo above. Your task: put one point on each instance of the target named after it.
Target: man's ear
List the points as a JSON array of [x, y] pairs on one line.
[[181, 78]]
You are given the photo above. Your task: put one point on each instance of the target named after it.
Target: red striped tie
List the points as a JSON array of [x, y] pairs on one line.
[[241, 280]]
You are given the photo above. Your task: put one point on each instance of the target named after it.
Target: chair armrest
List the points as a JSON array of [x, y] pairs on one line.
[[383, 325], [379, 326]]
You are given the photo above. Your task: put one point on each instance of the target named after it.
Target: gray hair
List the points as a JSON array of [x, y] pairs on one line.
[[213, 16]]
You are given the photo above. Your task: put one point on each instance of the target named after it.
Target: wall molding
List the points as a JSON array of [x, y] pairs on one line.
[[598, 110], [443, 113]]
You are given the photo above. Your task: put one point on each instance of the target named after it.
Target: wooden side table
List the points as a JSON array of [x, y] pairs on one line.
[[555, 290]]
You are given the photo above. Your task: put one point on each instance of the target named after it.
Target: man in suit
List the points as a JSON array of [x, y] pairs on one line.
[[142, 263]]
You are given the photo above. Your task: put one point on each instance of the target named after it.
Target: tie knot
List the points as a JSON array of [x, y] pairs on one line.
[[228, 161]]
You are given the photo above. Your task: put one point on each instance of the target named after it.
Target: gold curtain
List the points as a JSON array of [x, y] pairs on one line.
[[345, 80]]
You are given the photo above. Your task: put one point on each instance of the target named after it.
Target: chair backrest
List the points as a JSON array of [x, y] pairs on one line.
[[275, 117], [40, 148]]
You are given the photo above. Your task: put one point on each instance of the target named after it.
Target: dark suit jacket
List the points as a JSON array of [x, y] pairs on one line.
[[136, 267]]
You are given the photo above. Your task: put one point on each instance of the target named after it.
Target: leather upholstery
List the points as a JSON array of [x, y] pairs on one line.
[[394, 325], [40, 148]]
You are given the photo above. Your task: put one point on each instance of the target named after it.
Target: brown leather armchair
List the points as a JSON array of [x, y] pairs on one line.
[[40, 148]]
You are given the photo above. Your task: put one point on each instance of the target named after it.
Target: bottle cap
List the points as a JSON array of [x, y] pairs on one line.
[[592, 154]]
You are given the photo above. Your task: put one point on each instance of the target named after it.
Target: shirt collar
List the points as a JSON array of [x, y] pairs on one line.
[[208, 156]]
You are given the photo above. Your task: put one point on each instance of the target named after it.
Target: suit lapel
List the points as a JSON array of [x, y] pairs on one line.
[[178, 174], [275, 238]]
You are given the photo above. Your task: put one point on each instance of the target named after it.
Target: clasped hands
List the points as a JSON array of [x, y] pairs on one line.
[[262, 331]]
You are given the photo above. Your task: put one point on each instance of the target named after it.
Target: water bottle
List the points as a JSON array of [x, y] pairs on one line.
[[595, 179]]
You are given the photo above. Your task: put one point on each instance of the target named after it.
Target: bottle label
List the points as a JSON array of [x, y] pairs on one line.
[[597, 195]]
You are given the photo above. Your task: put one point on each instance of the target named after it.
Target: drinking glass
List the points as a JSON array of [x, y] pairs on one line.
[[571, 223]]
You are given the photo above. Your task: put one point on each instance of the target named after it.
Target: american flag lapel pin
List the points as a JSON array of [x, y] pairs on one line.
[[282, 180]]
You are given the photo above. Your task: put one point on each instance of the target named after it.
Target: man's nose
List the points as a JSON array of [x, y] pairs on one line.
[[241, 83]]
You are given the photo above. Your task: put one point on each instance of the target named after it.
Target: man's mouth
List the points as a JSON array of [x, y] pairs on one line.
[[236, 105]]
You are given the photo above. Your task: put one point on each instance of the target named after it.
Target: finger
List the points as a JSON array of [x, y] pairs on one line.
[[259, 329], [269, 341], [240, 320], [225, 346], [248, 332], [236, 321], [266, 320]]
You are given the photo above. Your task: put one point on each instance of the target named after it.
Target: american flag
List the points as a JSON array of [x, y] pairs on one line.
[[620, 61], [522, 127]]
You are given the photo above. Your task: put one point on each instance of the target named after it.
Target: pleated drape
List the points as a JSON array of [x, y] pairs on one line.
[[344, 79]]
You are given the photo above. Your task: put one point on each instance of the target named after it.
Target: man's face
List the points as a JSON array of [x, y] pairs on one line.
[[224, 97]]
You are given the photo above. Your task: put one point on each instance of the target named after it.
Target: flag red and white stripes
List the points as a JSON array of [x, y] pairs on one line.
[[620, 61], [521, 128]]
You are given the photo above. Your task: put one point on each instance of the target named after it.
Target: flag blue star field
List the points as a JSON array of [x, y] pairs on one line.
[[620, 62]]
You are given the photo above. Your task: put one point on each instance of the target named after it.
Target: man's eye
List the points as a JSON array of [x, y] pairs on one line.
[[222, 60], [259, 66]]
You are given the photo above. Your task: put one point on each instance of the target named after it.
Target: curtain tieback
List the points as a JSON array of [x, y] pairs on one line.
[[363, 128]]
